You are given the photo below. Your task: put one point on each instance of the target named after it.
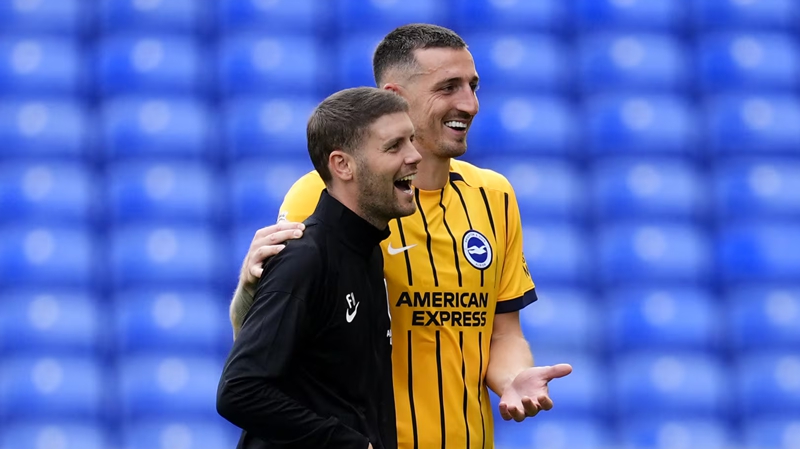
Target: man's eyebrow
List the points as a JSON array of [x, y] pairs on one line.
[[456, 79], [391, 142]]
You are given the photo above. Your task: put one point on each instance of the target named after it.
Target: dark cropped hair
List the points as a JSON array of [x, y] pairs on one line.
[[397, 48], [341, 121]]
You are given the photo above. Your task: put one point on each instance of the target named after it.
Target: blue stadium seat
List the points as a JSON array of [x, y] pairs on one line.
[[676, 433], [738, 14], [258, 188], [268, 126], [764, 187], [562, 318], [68, 17], [523, 125], [180, 433], [47, 191], [768, 385], [163, 190], [764, 317], [652, 62], [164, 127], [275, 15], [354, 59], [384, 15], [552, 432], [269, 64], [48, 255], [162, 386], [518, 63], [545, 188], [648, 187], [63, 433], [672, 318], [759, 252], [671, 385], [556, 251], [757, 124], [45, 128], [650, 15], [653, 252], [181, 16], [40, 65], [39, 321], [54, 387], [654, 124], [189, 322], [151, 64], [167, 256], [510, 15], [743, 61], [776, 433]]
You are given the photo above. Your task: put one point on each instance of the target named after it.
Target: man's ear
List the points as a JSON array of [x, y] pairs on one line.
[[341, 165], [393, 87]]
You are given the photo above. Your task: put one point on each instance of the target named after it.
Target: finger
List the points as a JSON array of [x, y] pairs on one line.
[[255, 272], [264, 253], [558, 371], [531, 407], [282, 226], [275, 238], [545, 402], [517, 413], [504, 411], [282, 236]]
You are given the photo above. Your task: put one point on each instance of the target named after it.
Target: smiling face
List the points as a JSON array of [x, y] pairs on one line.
[[386, 163], [441, 94]]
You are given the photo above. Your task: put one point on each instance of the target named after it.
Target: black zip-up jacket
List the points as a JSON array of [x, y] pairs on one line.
[[311, 367]]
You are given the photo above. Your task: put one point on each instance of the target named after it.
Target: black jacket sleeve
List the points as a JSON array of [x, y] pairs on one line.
[[249, 393]]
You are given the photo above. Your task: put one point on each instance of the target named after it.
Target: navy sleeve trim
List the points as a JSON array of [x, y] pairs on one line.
[[513, 305]]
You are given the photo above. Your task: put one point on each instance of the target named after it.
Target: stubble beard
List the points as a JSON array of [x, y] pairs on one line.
[[376, 201]]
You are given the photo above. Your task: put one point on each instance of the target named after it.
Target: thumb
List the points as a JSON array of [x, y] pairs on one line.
[[558, 371]]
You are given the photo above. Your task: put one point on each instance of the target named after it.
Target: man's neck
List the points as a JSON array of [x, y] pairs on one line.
[[432, 173], [350, 201]]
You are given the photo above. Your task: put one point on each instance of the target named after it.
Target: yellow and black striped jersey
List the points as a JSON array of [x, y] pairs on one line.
[[449, 268]]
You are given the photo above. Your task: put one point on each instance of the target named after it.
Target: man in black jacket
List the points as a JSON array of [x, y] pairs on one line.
[[311, 367]]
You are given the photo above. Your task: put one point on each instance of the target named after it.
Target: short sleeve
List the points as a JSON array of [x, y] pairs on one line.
[[517, 289], [302, 198]]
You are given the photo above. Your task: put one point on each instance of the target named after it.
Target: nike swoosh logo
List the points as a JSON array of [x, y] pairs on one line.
[[393, 251], [350, 316]]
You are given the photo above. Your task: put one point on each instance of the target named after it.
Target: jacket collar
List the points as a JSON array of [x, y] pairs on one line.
[[354, 231]]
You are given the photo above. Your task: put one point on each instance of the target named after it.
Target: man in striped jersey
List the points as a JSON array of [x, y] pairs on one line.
[[455, 273]]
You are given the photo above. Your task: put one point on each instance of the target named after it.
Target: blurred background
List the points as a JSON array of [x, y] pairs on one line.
[[654, 146]]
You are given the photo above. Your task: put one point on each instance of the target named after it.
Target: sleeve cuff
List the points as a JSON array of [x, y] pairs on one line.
[[516, 304]]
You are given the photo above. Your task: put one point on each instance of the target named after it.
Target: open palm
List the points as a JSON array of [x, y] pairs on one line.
[[528, 394]]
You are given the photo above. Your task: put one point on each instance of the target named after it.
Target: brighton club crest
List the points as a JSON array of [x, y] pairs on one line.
[[477, 250]]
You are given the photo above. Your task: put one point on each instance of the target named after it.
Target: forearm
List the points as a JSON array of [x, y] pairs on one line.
[[240, 304], [265, 411], [509, 355]]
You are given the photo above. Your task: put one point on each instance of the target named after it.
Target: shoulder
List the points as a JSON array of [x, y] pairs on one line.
[[301, 199], [308, 183], [477, 177], [305, 253]]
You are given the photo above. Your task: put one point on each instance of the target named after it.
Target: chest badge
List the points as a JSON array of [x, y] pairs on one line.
[[477, 249], [352, 307]]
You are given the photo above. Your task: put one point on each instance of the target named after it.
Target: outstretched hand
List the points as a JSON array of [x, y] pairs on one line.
[[528, 394]]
